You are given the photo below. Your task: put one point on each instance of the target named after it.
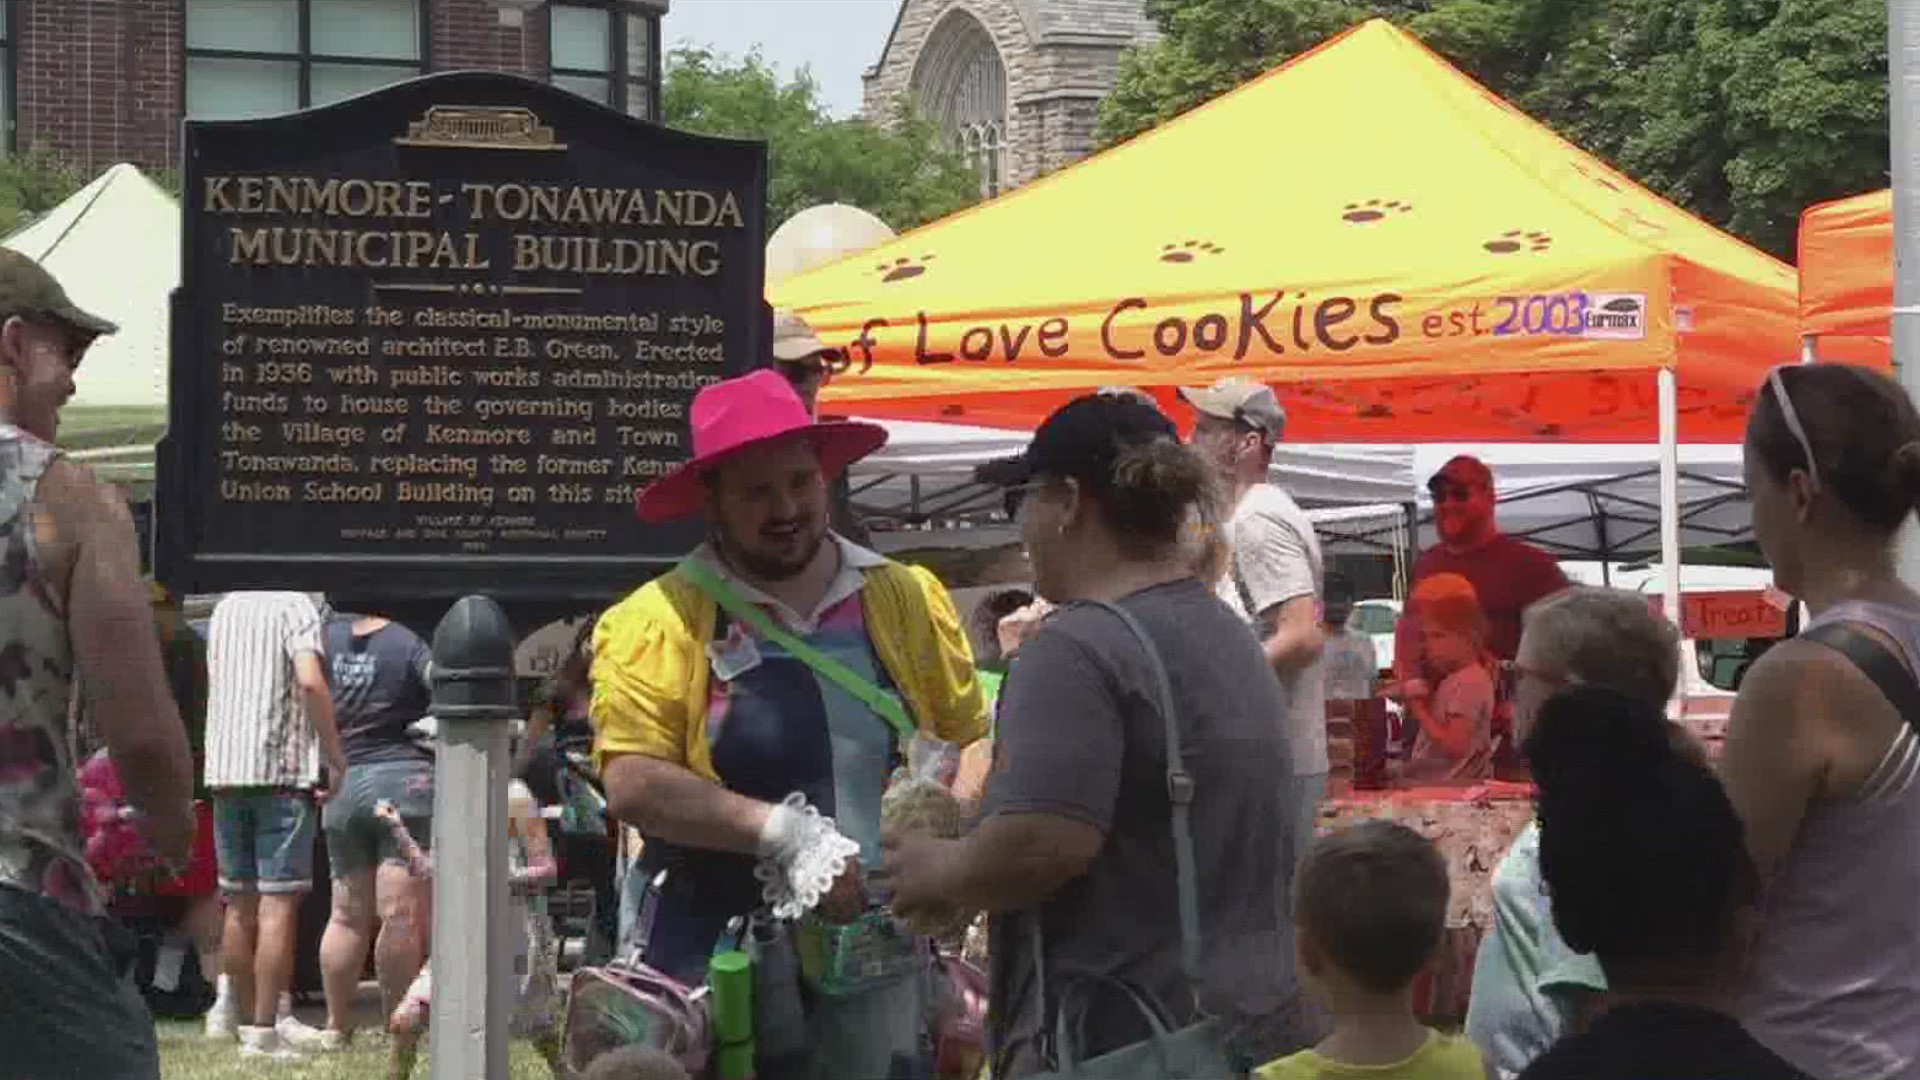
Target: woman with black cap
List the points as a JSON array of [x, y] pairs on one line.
[[1076, 853]]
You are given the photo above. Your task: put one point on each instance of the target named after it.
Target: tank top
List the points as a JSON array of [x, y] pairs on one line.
[[40, 847], [1835, 986]]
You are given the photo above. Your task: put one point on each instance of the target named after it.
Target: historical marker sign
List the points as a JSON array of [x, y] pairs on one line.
[[430, 341]]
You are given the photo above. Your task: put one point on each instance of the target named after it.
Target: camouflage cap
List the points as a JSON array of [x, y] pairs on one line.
[[30, 292]]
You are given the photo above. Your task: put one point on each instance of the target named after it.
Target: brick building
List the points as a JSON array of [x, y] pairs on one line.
[[1016, 84], [102, 81]]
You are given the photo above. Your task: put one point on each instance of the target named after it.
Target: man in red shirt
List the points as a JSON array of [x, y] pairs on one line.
[[1508, 575]]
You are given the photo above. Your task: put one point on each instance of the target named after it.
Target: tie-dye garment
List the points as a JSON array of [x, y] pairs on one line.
[[40, 847]]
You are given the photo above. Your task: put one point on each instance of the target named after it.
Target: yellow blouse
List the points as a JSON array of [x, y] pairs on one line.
[[650, 665]]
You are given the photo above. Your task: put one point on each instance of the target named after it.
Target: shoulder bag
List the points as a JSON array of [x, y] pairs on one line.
[[1195, 1052]]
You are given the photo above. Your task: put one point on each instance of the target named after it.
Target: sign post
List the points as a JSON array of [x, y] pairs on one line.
[[428, 344], [475, 701]]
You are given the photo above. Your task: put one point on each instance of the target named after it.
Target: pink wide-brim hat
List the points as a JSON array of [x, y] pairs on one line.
[[738, 414]]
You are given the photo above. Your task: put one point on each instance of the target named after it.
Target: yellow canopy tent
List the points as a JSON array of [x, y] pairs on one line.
[[1404, 255]]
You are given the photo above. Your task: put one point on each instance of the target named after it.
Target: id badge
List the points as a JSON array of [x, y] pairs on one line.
[[734, 655]]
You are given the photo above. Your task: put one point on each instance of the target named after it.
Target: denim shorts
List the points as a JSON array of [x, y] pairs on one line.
[[65, 1011], [263, 838], [356, 840]]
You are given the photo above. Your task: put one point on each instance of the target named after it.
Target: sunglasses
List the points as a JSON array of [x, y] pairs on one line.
[[821, 365], [1012, 498], [1445, 492]]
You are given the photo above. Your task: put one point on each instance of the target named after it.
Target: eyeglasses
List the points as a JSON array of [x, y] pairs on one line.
[[1792, 418]]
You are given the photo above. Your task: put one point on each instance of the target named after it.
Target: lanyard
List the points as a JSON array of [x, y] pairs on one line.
[[884, 705]]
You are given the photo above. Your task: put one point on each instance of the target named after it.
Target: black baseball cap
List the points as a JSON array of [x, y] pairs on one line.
[[1082, 439]]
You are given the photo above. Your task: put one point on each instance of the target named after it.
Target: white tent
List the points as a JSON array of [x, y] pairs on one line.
[[1600, 501], [115, 246], [925, 473], [1578, 502]]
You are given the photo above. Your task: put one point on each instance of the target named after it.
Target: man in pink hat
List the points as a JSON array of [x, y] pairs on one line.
[[750, 706]]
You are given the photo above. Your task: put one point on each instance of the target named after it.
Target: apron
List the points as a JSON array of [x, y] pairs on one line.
[[762, 749]]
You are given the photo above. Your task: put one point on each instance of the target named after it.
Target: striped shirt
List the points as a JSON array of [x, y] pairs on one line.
[[258, 732]]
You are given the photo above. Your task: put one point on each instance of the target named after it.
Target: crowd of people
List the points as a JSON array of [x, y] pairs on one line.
[[1140, 745]]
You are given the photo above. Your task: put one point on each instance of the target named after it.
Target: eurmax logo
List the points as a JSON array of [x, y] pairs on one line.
[[1617, 316]]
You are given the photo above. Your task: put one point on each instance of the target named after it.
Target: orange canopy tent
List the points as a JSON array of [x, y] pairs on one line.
[[1404, 255], [1846, 277]]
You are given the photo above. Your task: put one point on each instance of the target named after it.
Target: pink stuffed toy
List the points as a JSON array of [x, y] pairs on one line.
[[116, 850]]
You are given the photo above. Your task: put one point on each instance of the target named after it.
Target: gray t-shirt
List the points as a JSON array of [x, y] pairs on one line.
[[1276, 558], [1081, 736]]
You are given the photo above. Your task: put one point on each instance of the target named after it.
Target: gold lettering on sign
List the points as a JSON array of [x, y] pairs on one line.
[[480, 127]]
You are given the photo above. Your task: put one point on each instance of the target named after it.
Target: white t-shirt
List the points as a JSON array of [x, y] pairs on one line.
[[1275, 558]]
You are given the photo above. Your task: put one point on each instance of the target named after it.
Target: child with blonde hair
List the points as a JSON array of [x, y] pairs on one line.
[[1370, 908], [1454, 712]]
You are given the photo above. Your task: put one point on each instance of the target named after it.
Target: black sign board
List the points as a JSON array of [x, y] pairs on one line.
[[430, 342]]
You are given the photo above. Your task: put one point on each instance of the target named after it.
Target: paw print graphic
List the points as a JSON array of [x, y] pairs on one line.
[[1366, 213], [902, 269], [1189, 251], [1595, 177], [1514, 241]]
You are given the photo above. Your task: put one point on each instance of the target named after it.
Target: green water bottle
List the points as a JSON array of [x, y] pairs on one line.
[[730, 975]]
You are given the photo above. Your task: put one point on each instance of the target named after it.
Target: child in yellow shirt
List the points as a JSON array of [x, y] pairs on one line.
[[1370, 905]]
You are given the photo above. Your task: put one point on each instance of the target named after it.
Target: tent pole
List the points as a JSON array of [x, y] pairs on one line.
[[1809, 352], [1903, 58], [1670, 517]]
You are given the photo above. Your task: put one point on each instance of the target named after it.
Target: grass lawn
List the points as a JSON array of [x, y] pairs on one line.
[[184, 1055]]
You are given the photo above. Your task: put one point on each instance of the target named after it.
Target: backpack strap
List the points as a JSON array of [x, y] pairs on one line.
[[1877, 662]]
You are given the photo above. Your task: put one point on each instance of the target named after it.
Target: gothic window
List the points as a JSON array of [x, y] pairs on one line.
[[962, 84]]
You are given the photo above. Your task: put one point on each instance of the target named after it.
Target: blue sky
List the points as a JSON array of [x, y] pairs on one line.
[[837, 39]]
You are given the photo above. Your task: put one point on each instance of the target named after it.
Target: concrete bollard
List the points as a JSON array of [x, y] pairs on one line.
[[475, 699]]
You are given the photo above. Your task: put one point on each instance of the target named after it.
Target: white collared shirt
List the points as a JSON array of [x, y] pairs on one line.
[[855, 561]]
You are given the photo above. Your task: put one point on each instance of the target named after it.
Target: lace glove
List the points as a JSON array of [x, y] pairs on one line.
[[801, 855]]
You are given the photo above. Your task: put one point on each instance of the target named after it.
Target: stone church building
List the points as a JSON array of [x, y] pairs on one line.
[[1016, 84]]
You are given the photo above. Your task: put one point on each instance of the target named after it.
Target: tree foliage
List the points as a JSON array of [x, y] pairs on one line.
[[1742, 111], [32, 183], [904, 171]]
